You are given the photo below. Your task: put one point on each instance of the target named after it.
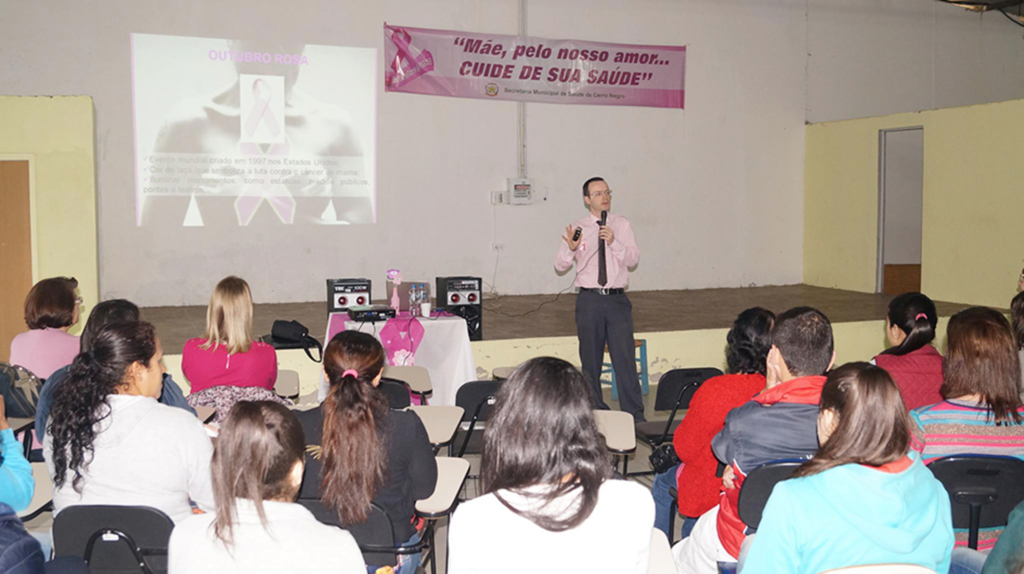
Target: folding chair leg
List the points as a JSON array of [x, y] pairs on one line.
[[433, 549], [673, 509]]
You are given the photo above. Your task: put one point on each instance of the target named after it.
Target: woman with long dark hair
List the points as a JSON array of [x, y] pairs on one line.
[[981, 410], [549, 504], [912, 361], [746, 354], [362, 452], [865, 498], [103, 314], [111, 442], [257, 470]]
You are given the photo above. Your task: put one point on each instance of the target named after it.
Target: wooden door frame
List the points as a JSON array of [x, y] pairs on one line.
[[33, 230]]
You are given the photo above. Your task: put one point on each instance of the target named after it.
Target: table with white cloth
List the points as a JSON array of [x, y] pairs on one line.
[[444, 350]]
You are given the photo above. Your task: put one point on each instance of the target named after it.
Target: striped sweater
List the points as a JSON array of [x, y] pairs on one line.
[[965, 427]]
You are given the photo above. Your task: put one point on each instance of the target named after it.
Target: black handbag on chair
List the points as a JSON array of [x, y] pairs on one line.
[[294, 335]]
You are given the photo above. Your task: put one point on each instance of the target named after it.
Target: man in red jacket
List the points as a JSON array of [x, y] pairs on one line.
[[778, 423]]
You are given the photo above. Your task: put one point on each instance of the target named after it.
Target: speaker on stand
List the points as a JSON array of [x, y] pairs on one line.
[[462, 296]]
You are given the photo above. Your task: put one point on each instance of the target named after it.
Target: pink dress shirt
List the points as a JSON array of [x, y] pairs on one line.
[[43, 351], [214, 367], [619, 256]]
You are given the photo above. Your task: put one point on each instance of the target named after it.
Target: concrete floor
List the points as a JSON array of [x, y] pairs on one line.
[[528, 316]]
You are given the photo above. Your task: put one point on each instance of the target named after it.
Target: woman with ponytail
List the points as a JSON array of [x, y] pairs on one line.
[[361, 452], [257, 470], [111, 442], [865, 498], [912, 361]]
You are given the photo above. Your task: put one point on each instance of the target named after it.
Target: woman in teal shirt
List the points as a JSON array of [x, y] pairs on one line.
[[864, 498]]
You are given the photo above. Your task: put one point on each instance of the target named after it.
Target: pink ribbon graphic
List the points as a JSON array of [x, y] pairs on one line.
[[260, 112], [416, 65], [252, 195]]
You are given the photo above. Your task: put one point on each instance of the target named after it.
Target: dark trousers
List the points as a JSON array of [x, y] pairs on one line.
[[608, 319]]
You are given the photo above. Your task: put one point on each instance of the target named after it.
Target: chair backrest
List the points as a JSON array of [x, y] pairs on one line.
[[114, 538], [758, 485], [477, 399], [418, 378], [983, 490], [662, 561], [681, 380], [882, 569], [374, 537], [396, 392], [287, 384]]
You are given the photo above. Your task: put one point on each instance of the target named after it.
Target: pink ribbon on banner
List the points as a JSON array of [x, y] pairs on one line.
[[417, 65], [260, 110]]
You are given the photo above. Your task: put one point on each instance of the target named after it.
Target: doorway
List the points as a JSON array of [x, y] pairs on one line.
[[900, 198], [15, 250]]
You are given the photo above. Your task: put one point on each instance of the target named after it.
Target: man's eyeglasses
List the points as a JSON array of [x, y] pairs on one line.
[[601, 193]]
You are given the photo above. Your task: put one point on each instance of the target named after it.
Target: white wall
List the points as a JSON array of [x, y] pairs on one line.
[[715, 193], [696, 184], [877, 57]]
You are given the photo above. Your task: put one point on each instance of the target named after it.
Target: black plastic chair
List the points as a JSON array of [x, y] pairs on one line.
[[675, 391], [757, 488], [375, 537], [975, 483], [114, 539], [477, 401], [397, 393]]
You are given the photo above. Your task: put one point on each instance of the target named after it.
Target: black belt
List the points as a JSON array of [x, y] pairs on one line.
[[603, 291]]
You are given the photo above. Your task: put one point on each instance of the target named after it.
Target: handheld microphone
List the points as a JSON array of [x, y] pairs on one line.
[[604, 217]]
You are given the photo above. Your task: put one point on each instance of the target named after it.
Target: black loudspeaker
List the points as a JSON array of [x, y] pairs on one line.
[[343, 294], [462, 296]]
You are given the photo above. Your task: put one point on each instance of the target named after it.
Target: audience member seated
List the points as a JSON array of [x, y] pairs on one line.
[[51, 308], [1017, 318], [912, 361], [779, 423], [982, 410], [16, 482], [360, 450], [748, 343], [111, 442], [103, 314], [258, 528], [549, 504], [864, 498], [228, 366]]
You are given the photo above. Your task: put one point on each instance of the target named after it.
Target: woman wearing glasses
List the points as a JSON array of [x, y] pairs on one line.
[[51, 309]]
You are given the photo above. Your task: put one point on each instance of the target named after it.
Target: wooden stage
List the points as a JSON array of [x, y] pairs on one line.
[[538, 316]]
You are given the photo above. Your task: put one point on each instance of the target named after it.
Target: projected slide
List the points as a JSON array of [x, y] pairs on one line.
[[252, 133]]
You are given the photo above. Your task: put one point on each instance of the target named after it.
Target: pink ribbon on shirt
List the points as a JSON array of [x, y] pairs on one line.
[[253, 194], [416, 65], [260, 111]]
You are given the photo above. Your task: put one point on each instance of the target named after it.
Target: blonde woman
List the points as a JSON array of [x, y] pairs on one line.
[[227, 366]]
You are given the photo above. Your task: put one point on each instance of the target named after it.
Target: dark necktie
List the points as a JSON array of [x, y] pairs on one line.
[[602, 267]]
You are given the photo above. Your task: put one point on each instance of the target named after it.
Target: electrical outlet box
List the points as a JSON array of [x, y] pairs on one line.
[[520, 191]]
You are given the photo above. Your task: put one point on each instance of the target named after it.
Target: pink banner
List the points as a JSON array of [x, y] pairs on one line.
[[491, 66]]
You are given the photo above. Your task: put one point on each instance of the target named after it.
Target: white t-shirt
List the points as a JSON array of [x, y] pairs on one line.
[[296, 542], [145, 454], [486, 537]]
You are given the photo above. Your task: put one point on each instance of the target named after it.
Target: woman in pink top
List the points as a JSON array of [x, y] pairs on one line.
[[912, 361], [51, 308], [228, 366]]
